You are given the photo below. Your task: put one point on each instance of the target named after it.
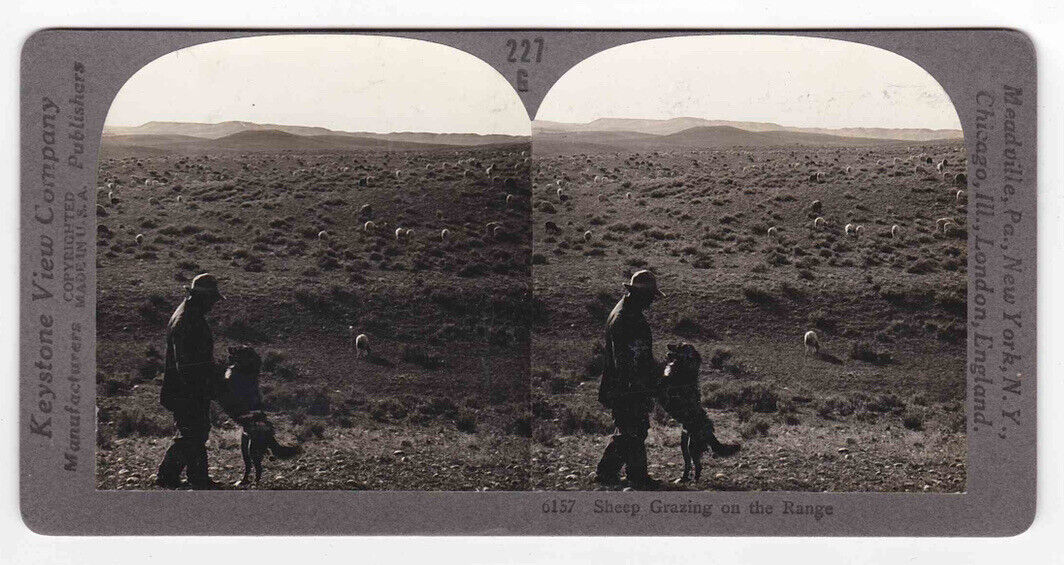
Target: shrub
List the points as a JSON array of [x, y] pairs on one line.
[[913, 420], [132, 420], [466, 421], [865, 351]]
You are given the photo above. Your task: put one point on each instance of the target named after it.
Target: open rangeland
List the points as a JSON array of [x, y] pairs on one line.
[[440, 402], [734, 237]]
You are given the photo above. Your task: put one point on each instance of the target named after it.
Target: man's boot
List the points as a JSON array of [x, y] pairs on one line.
[[169, 475], [198, 476], [609, 467], [637, 467]]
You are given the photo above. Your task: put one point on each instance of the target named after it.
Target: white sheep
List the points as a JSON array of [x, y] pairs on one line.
[[587, 235], [498, 231], [948, 227], [398, 173], [369, 227], [848, 169], [509, 200], [139, 239], [960, 197], [408, 234], [812, 343], [445, 234], [895, 231], [560, 193], [628, 195], [857, 231], [850, 229], [323, 234], [820, 176], [399, 233], [818, 223], [112, 197], [179, 199], [774, 232], [941, 224], [361, 344]]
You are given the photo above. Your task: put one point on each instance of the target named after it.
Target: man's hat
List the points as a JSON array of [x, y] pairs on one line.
[[206, 283], [645, 281]]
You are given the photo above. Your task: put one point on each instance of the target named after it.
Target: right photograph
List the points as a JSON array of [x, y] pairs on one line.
[[750, 271]]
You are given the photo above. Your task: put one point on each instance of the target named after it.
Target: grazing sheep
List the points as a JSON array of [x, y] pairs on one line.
[[820, 176], [399, 233], [366, 211], [110, 185], [895, 231], [139, 239], [851, 229], [408, 234], [323, 234], [101, 211], [960, 197], [498, 232], [445, 234], [560, 193], [179, 199], [587, 235], [858, 231], [488, 170], [818, 223], [628, 195], [774, 232], [112, 197], [849, 169], [938, 167], [398, 174], [942, 222], [812, 343], [369, 227], [509, 200], [361, 344], [948, 227], [490, 227]]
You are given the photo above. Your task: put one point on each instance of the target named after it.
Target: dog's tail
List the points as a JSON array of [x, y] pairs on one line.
[[282, 451]]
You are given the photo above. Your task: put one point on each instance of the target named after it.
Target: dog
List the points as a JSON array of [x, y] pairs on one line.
[[243, 401], [681, 398]]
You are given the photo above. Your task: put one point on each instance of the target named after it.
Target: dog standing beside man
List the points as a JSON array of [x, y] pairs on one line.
[[631, 381]]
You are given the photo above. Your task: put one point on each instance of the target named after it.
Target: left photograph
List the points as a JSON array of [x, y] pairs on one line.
[[313, 270]]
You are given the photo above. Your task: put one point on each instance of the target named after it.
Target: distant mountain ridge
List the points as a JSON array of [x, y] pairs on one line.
[[677, 125], [224, 129]]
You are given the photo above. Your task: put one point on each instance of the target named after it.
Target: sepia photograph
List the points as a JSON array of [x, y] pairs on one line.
[[750, 271], [313, 258]]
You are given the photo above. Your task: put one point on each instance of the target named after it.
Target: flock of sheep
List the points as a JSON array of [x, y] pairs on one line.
[[592, 177]]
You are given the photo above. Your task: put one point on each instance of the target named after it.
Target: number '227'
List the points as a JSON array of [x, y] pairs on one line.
[[525, 48]]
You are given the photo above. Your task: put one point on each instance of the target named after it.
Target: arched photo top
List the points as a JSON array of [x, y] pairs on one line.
[[761, 81], [347, 83]]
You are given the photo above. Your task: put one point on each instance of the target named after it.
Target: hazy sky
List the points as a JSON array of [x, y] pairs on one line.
[[793, 81], [351, 83]]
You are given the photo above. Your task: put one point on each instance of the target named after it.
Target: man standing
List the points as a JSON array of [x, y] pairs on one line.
[[189, 383], [629, 380]]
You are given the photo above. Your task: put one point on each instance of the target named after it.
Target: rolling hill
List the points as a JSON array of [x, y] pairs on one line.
[[676, 125]]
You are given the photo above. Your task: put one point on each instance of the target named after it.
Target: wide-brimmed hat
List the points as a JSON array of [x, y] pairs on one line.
[[206, 284], [644, 281]]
